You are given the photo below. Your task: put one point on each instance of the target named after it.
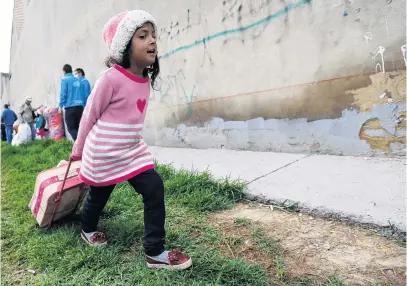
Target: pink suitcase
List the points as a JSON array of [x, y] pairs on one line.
[[58, 193]]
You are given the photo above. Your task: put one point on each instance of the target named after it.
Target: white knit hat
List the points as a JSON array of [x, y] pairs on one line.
[[118, 32], [28, 98]]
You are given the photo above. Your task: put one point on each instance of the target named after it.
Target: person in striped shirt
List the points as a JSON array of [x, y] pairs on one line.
[[110, 142]]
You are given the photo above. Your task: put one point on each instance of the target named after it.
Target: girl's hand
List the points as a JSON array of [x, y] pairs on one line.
[[74, 158]]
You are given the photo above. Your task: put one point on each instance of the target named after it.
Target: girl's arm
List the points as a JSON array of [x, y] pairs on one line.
[[98, 101]]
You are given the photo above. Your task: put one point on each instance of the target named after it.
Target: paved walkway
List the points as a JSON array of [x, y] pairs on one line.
[[370, 190]]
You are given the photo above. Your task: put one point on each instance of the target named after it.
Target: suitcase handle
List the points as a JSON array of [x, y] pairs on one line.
[[64, 181], [58, 198]]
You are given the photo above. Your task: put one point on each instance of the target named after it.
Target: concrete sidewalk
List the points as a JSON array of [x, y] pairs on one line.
[[368, 190]]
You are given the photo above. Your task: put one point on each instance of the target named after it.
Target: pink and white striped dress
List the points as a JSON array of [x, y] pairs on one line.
[[110, 141]]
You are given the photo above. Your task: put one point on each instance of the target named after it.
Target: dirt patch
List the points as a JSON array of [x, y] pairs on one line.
[[316, 247]]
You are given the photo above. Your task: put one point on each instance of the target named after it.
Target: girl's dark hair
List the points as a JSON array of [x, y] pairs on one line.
[[151, 71]]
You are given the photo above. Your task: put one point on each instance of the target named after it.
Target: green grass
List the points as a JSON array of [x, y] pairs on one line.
[[59, 257]]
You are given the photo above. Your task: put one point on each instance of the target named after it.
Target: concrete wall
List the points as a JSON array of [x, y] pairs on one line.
[[290, 75], [4, 87]]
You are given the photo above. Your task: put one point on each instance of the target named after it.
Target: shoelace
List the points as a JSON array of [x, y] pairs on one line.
[[175, 255], [97, 236]]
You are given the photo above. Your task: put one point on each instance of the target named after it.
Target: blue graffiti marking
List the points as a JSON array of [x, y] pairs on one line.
[[179, 77], [240, 29], [189, 99]]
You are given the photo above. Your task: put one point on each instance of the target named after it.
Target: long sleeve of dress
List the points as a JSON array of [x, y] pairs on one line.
[[98, 101]]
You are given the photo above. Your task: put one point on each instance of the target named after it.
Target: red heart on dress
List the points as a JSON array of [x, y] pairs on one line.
[[141, 103]]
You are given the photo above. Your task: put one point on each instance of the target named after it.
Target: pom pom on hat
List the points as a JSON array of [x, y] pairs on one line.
[[119, 30]]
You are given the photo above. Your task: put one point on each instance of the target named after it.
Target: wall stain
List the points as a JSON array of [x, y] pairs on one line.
[[323, 100], [327, 100]]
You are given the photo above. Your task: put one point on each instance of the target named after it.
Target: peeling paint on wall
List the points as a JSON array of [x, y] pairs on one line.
[[341, 136], [384, 86], [348, 116], [381, 139]]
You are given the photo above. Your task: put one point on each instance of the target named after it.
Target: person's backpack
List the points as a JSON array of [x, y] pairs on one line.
[[40, 122]]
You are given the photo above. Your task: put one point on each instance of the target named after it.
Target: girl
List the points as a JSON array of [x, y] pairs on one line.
[[110, 142]]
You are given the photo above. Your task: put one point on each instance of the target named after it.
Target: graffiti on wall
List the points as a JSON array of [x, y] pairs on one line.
[[235, 11], [379, 63], [174, 89], [233, 31], [368, 37], [235, 18], [182, 25], [378, 57]]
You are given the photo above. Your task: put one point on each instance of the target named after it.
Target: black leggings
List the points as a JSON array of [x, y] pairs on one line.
[[150, 185]]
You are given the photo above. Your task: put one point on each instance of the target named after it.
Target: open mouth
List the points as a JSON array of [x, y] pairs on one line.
[[152, 51]]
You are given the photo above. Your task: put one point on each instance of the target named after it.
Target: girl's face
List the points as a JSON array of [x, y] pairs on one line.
[[144, 46]]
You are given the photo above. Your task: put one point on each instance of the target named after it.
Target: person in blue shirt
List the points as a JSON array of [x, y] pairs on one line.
[[8, 117], [72, 99], [85, 85]]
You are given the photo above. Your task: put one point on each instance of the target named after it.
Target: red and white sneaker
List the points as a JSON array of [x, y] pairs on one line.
[[175, 260], [96, 239]]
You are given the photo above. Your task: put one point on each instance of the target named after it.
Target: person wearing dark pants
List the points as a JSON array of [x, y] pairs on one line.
[[8, 117], [27, 115], [73, 99], [150, 186], [110, 139], [73, 117], [3, 132]]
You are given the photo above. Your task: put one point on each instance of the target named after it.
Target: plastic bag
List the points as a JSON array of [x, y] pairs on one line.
[[55, 123], [23, 135], [16, 140], [25, 132]]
